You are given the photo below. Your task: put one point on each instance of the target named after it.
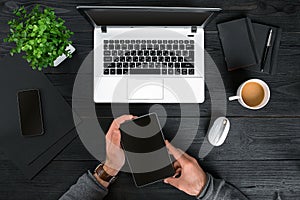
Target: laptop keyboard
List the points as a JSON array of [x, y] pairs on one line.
[[156, 57]]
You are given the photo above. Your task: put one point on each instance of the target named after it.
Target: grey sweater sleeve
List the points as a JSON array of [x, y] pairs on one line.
[[86, 188], [220, 190]]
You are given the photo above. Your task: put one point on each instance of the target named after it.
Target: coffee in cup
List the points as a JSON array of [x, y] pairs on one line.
[[253, 94]]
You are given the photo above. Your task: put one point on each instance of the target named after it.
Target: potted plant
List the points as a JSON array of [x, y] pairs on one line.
[[41, 35]]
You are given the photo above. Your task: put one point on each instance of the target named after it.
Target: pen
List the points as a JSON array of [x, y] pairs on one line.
[[266, 51]]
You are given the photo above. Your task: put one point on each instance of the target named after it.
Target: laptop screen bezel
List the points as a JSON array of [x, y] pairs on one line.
[[82, 10]]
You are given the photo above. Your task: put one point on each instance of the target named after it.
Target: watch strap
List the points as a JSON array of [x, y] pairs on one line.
[[103, 175]]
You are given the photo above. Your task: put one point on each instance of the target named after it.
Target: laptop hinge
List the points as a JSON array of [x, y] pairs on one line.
[[103, 29], [194, 29]]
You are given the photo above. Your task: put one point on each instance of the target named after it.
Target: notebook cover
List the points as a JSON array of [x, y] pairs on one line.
[[261, 34], [57, 114], [237, 39]]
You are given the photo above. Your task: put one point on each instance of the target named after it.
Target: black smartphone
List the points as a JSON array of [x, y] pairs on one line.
[[30, 112], [146, 153]]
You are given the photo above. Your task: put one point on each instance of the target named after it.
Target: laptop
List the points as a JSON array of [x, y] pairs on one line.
[[148, 54]]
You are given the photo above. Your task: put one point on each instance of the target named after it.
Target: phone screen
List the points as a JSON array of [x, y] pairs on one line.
[[30, 112], [141, 138]]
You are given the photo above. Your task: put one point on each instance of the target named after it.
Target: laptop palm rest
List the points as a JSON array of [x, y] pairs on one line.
[[141, 88]]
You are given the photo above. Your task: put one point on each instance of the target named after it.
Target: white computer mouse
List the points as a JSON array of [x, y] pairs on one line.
[[218, 131]]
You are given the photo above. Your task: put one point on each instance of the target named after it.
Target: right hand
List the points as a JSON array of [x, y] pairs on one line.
[[192, 178]]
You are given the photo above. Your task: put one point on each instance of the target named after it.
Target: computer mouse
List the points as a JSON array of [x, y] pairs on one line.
[[218, 131]]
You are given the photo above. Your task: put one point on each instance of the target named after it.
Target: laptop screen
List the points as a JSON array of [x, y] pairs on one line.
[[145, 16]]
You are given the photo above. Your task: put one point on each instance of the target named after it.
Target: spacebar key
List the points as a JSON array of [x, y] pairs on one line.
[[144, 71]]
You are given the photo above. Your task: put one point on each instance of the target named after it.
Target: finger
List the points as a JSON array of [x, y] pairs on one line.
[[176, 165], [122, 119], [116, 137], [172, 181], [177, 154], [177, 173]]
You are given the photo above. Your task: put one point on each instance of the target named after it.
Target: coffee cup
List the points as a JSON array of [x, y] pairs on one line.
[[253, 94]]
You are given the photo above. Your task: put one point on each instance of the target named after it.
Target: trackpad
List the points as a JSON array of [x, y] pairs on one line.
[[141, 88]]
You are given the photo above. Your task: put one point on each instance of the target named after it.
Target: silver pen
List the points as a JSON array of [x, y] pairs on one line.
[[266, 51]]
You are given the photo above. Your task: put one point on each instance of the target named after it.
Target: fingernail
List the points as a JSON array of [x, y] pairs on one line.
[[165, 181]]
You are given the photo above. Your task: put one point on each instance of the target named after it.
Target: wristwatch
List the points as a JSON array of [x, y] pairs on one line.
[[103, 175]]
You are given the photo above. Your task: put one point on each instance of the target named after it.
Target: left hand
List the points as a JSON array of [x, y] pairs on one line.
[[115, 157]]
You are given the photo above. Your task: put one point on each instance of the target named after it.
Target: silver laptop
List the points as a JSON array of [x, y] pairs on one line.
[[148, 54]]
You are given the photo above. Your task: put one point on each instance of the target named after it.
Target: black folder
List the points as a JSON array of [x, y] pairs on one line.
[[244, 43], [237, 40], [17, 75]]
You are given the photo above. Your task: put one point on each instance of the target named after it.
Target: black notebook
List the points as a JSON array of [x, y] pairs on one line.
[[237, 40], [244, 43]]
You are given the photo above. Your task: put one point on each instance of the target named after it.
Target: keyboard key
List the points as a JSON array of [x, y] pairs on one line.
[[159, 53], [191, 54], [162, 47], [127, 53], [133, 53], [137, 47], [164, 65], [105, 46], [160, 59], [138, 41], [140, 53], [175, 46], [192, 41], [143, 46], [170, 41], [119, 65], [180, 41], [175, 41], [125, 71], [157, 65], [189, 47], [154, 41], [167, 59], [117, 46], [148, 59], [191, 72], [184, 72], [169, 46], [111, 46], [181, 47], [127, 41], [107, 59], [105, 41], [149, 46], [135, 59], [128, 59], [124, 47], [177, 71], [122, 59], [144, 71], [173, 59], [186, 42], [116, 59], [154, 59], [151, 65], [117, 41], [165, 53], [153, 53], [180, 59], [170, 65], [145, 65], [141, 59], [188, 59], [172, 53], [178, 53], [187, 65], [165, 41], [114, 53], [144, 42], [177, 65], [130, 46], [111, 41], [146, 53], [132, 65], [120, 53], [138, 65], [185, 53], [148, 41], [125, 65], [112, 71], [107, 53], [122, 41], [170, 71], [159, 41], [106, 71], [164, 71], [119, 71], [156, 47]]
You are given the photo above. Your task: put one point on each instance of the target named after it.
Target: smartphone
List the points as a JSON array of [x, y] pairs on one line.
[[141, 137], [30, 112]]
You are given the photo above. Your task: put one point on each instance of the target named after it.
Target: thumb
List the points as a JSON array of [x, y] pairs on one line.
[[172, 181]]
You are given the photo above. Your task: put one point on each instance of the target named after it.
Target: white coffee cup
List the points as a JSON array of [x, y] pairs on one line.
[[265, 100]]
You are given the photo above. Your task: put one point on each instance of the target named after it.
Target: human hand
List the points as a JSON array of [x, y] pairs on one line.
[[192, 178], [115, 157]]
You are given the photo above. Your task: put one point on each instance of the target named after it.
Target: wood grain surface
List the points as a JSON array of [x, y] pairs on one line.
[[262, 153]]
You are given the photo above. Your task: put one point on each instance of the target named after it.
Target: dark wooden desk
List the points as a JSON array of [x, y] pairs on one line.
[[262, 153]]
